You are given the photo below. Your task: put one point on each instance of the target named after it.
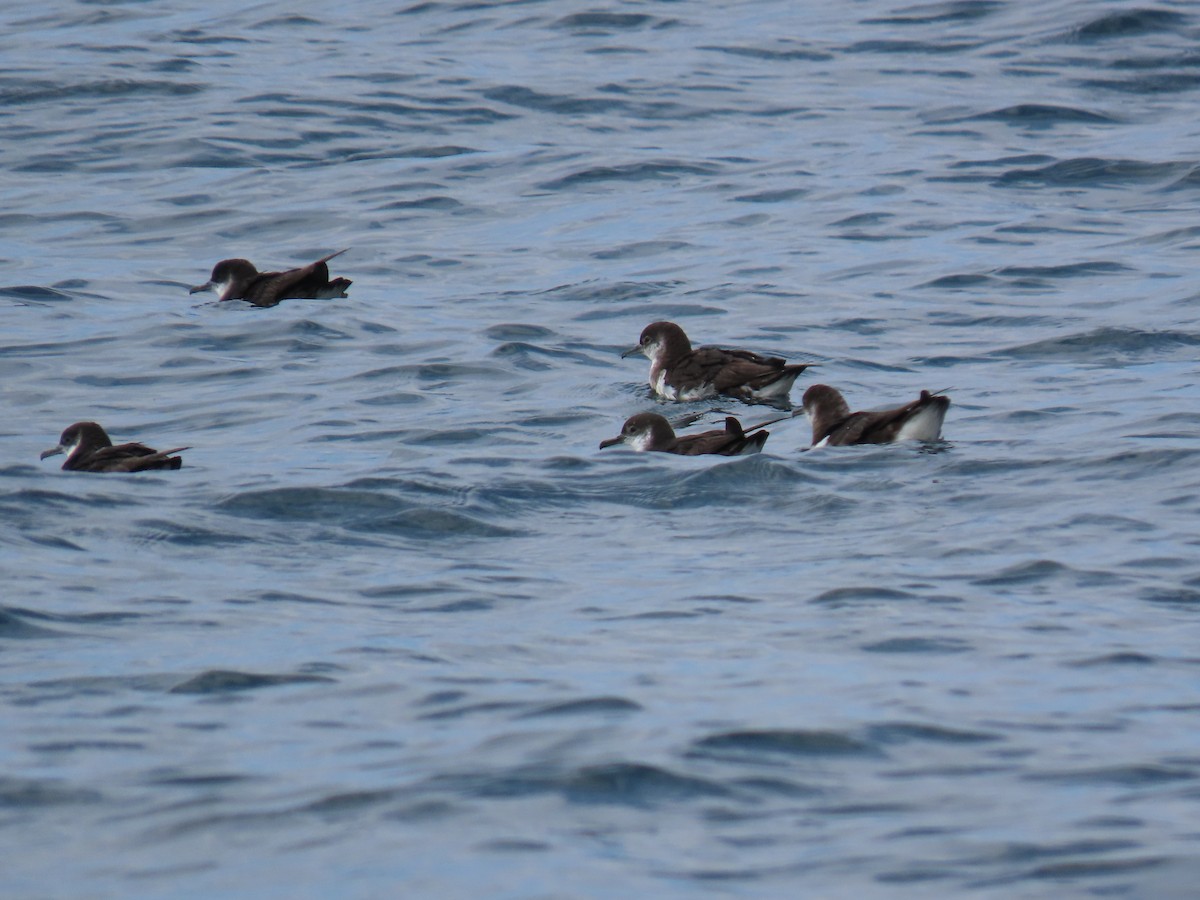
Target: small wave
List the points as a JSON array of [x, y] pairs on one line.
[[1129, 23], [905, 732], [1127, 776], [914, 48], [779, 742], [642, 249], [1096, 172], [918, 645], [1106, 344], [1039, 114], [608, 21], [105, 88], [31, 793], [14, 626], [934, 13], [666, 170], [587, 706], [637, 784], [865, 593], [34, 292], [222, 681], [605, 294]]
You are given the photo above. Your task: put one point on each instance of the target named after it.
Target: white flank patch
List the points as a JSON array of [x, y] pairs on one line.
[[924, 426], [660, 386], [775, 389]]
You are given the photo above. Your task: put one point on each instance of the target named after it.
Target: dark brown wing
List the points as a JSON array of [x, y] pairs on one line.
[[880, 427], [730, 442], [305, 283], [127, 458], [730, 370]]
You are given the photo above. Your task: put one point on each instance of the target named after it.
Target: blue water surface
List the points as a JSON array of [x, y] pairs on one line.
[[399, 628]]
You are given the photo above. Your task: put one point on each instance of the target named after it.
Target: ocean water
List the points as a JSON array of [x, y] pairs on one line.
[[399, 628]]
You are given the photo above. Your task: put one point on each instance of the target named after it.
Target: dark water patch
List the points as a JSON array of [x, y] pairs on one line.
[[473, 709], [1105, 345], [1066, 270], [417, 152], [918, 645], [588, 706], [86, 746], [174, 778], [642, 249], [529, 356], [1039, 114], [994, 321], [665, 170], [187, 534], [288, 21], [1129, 23], [27, 92], [1096, 172], [1189, 180], [1125, 776], [863, 594], [560, 104], [32, 793], [351, 801], [438, 203], [934, 13], [755, 745], [1183, 597], [225, 681], [34, 292], [512, 845], [771, 54], [592, 293], [1004, 162], [518, 331], [604, 22], [912, 48], [873, 218], [662, 310], [778, 196], [86, 617], [733, 482], [70, 689], [637, 785], [404, 591], [907, 732], [310, 504], [1144, 464], [1111, 523], [460, 606], [774, 788], [1188, 59], [630, 784], [14, 627], [1038, 571], [288, 597], [1115, 659], [1162, 83], [1075, 870], [55, 542], [433, 523]]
